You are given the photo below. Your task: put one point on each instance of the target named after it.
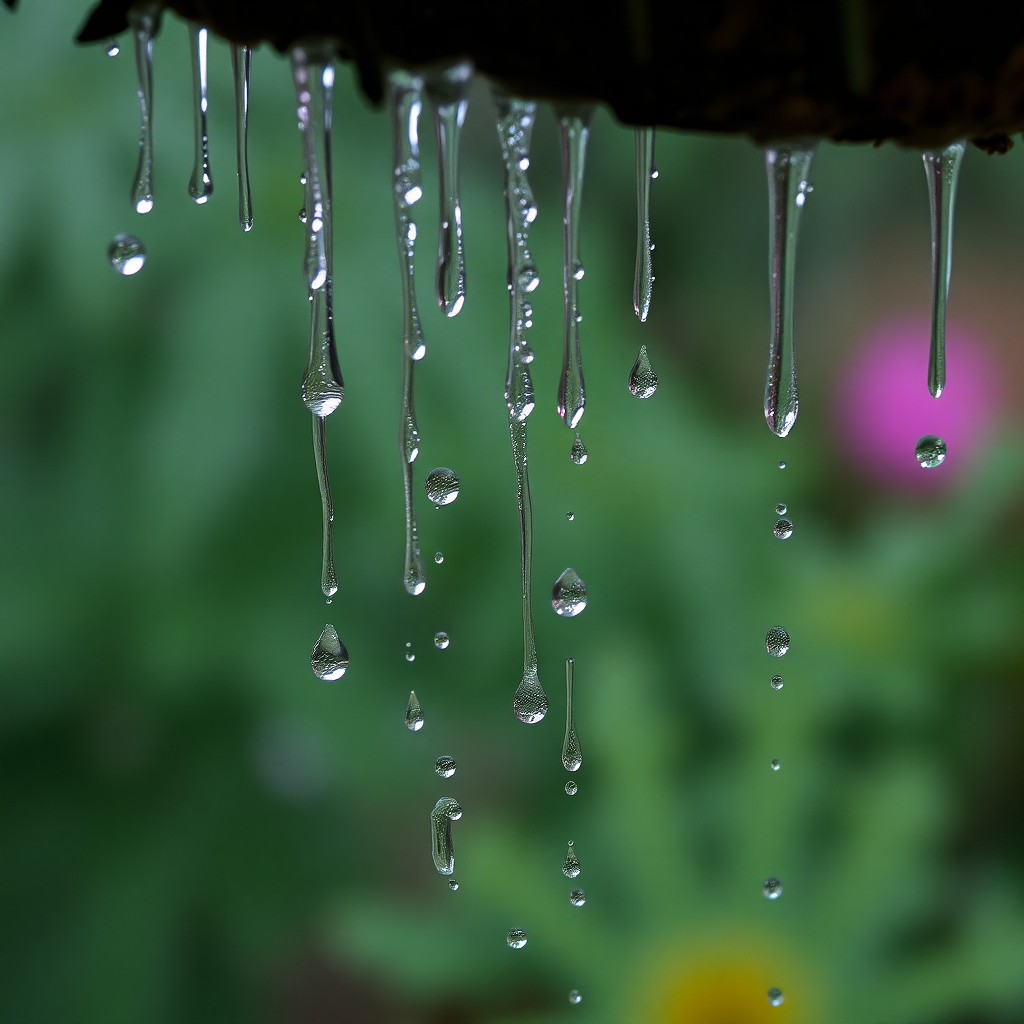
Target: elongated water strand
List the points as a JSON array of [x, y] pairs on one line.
[[448, 89], [200, 185], [573, 130], [241, 62], [788, 166], [942, 168], [407, 189], [445, 811], [643, 279], [328, 579], [572, 756], [144, 20]]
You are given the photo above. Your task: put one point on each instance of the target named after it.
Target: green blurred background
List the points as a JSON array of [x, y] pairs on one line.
[[197, 829]]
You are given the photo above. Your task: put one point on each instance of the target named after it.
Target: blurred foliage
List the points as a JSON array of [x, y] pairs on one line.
[[195, 828]]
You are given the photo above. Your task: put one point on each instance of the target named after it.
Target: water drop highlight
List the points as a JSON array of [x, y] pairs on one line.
[[569, 594], [776, 641], [329, 659], [442, 485], [930, 451]]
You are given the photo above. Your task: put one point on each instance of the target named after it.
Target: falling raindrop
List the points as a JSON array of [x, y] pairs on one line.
[[572, 756], [788, 167], [780, 509], [776, 765], [643, 278], [930, 451], [571, 788], [782, 465], [776, 682], [413, 713], [643, 381], [569, 594], [578, 453], [772, 888], [144, 20], [126, 254], [775, 997], [575, 998], [241, 63], [783, 529], [452, 884], [329, 659], [441, 640], [571, 866], [113, 48], [200, 185], [442, 485], [445, 811], [516, 938], [445, 766], [942, 169], [448, 89], [438, 557], [328, 578], [776, 640], [409, 656], [573, 129], [569, 516], [577, 897]]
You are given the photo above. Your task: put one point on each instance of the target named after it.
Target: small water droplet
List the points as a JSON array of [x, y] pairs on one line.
[[445, 766], [783, 529], [776, 640], [113, 48], [772, 888], [409, 656], [577, 897], [329, 659], [578, 453], [575, 998], [302, 216], [516, 938], [571, 788], [413, 713], [643, 381], [438, 557], [302, 178], [452, 884], [126, 254], [577, 271], [775, 997], [782, 464], [776, 765], [441, 640], [780, 509], [930, 451], [442, 485], [776, 682], [569, 516], [569, 594], [571, 867]]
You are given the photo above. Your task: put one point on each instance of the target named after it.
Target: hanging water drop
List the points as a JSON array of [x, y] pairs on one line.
[[516, 938], [328, 578], [126, 254], [575, 998], [144, 20], [241, 64], [776, 641], [930, 451], [442, 485], [776, 765], [780, 509], [783, 529], [329, 659], [445, 811], [776, 682], [788, 167], [643, 381], [445, 766], [572, 756], [441, 640], [200, 185], [571, 788], [413, 713], [578, 452], [438, 557], [772, 888], [775, 997], [571, 865], [577, 897], [942, 169], [643, 278], [569, 594]]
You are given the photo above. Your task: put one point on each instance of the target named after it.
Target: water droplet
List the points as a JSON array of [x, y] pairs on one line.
[[413, 713], [200, 185], [575, 998], [441, 640], [302, 216], [571, 788], [442, 485], [571, 866], [643, 277], [780, 509], [578, 453], [113, 48], [577, 897], [776, 765], [782, 465], [241, 65], [772, 888], [783, 529], [302, 178], [438, 557], [530, 702], [569, 516], [445, 766], [445, 811], [776, 640], [930, 451], [569, 594], [144, 20], [776, 682], [126, 254], [452, 884], [409, 656], [643, 381], [775, 997], [572, 756], [516, 938], [329, 659]]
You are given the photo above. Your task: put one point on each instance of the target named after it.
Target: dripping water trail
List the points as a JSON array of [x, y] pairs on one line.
[[643, 279], [788, 166], [573, 129], [514, 120], [328, 579], [572, 756], [445, 811], [144, 20], [407, 189], [448, 89], [241, 62], [200, 185], [942, 168]]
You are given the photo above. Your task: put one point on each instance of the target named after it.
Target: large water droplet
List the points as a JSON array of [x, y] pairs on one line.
[[783, 529], [571, 788], [776, 682], [442, 485], [329, 659], [569, 594], [575, 998], [571, 866], [577, 897], [772, 888], [643, 381], [775, 997], [572, 756], [200, 185], [930, 451], [530, 702], [445, 766], [578, 452], [776, 641], [516, 938], [413, 713], [441, 640], [126, 254], [445, 811]]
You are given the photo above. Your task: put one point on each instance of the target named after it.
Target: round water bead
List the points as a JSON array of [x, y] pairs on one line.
[[776, 682], [782, 465], [776, 765], [783, 529], [571, 788], [441, 640], [445, 766], [772, 888], [452, 884], [577, 897], [442, 485], [409, 656], [569, 594], [113, 48], [126, 254], [930, 451], [569, 516], [780, 509], [516, 938], [438, 557], [775, 997], [575, 998], [776, 640]]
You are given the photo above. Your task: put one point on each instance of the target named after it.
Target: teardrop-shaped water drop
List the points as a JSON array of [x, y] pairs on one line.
[[772, 888], [200, 185], [241, 64], [516, 938], [445, 811], [126, 254], [577, 897], [930, 451], [783, 529], [572, 756], [775, 997], [569, 594], [144, 19], [329, 659], [776, 641], [530, 702], [643, 381], [413, 713], [442, 485], [571, 865], [643, 278], [578, 452], [445, 766]]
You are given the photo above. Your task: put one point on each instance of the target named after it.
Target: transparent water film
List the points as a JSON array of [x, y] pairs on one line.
[[643, 381], [930, 451], [514, 120], [126, 254], [405, 103], [780, 509], [788, 166], [571, 788], [573, 130], [448, 88], [413, 713], [575, 998], [569, 594], [516, 938], [783, 529], [442, 485], [578, 452], [200, 185], [776, 641], [775, 997], [572, 756], [144, 20], [328, 577], [776, 765], [942, 169], [241, 64], [445, 766], [776, 682], [571, 865], [643, 278], [445, 811], [441, 640], [329, 659], [577, 897], [772, 888]]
